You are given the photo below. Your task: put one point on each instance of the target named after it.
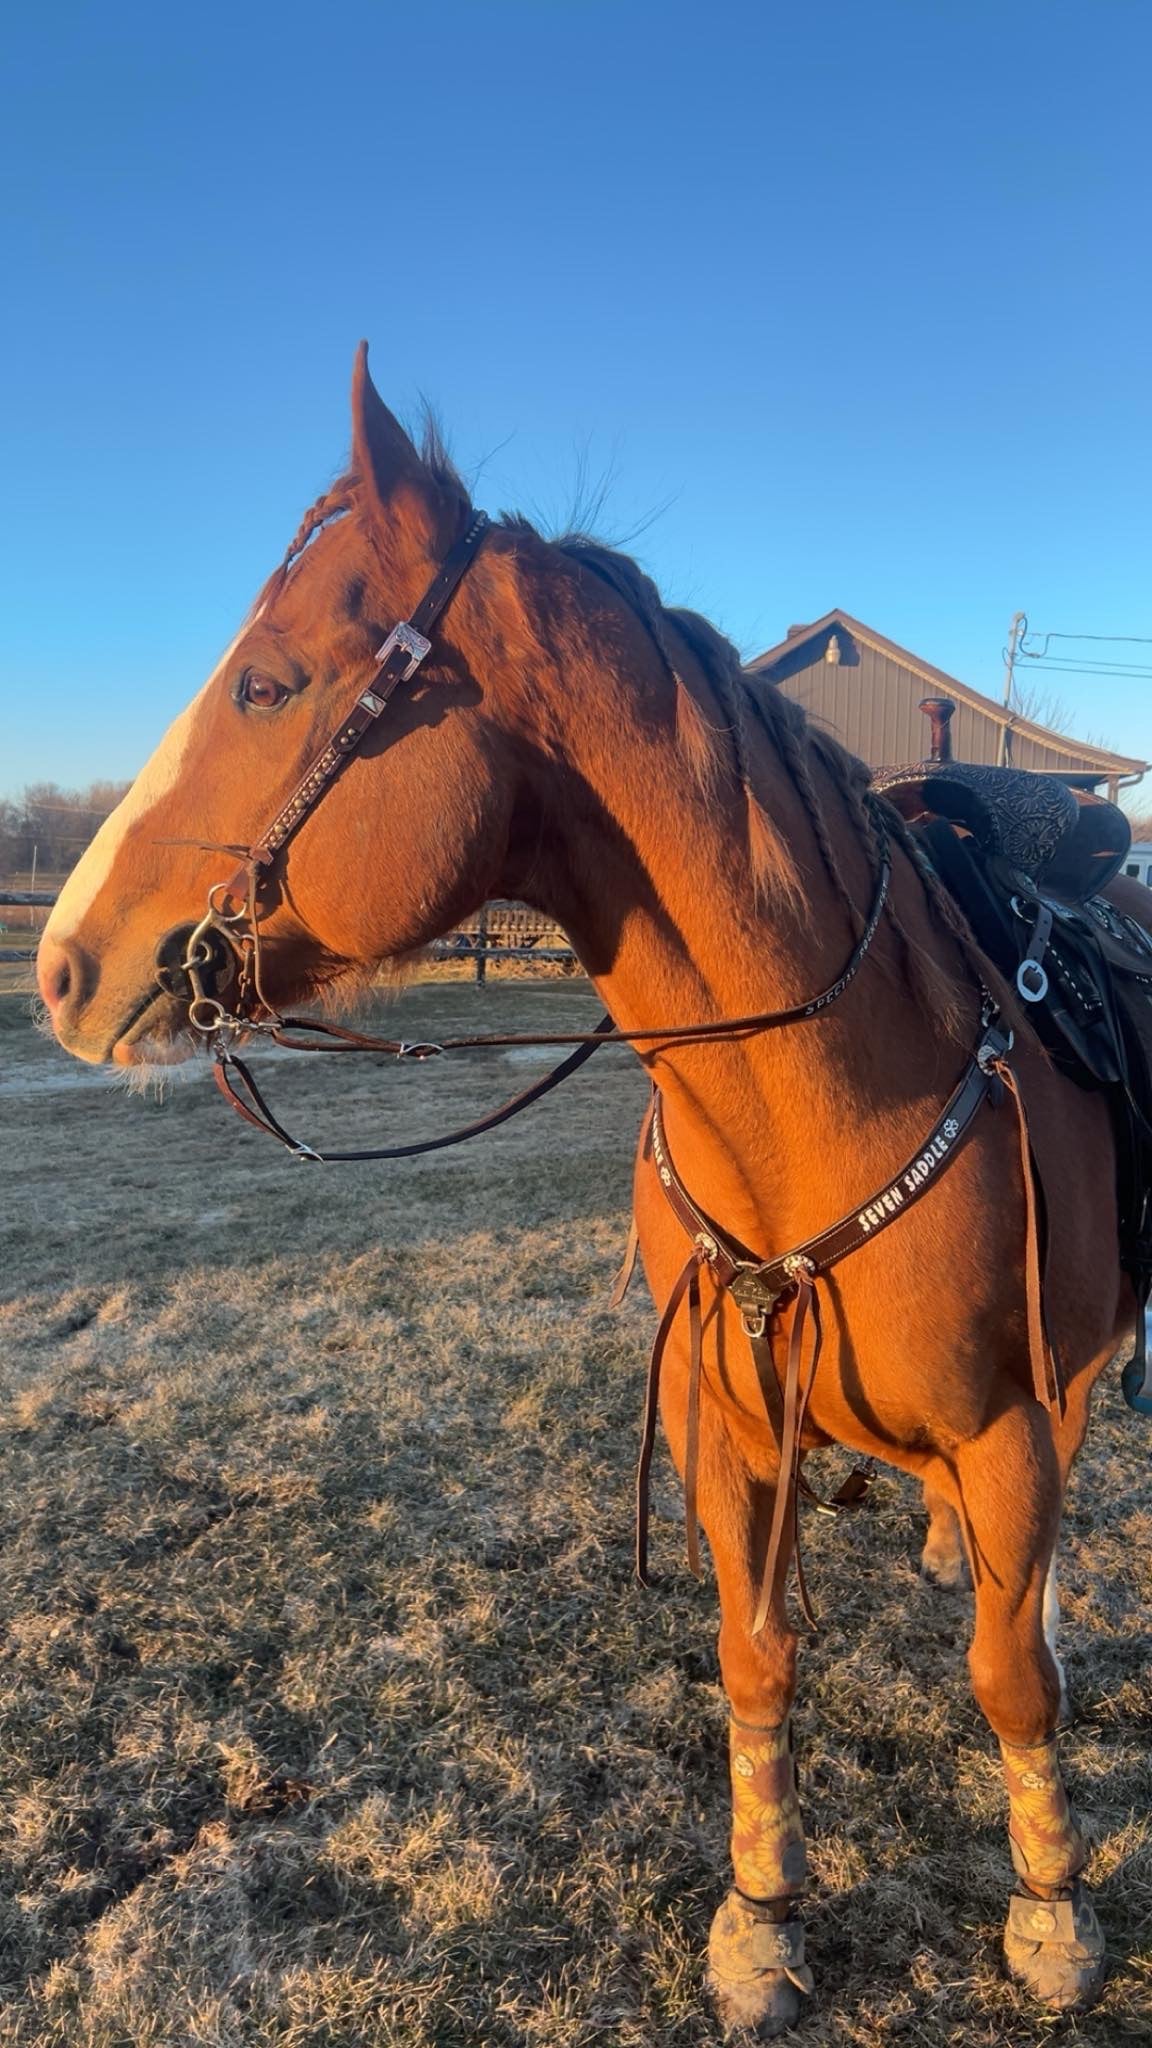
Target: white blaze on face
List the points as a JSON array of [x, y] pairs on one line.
[[158, 775]]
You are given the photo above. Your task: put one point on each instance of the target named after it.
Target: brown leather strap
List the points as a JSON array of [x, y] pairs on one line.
[[626, 1268], [229, 1069], [652, 1409], [692, 1424], [1047, 1377], [851, 1493], [1031, 974], [255, 1012], [627, 1265], [757, 1284], [324, 1036], [244, 887], [796, 1395], [396, 659], [765, 1363], [852, 1490]]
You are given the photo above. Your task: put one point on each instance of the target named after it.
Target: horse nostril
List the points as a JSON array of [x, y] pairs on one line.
[[57, 972]]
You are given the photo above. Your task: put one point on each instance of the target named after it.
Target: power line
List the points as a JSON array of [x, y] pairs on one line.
[[1114, 669], [68, 810], [1125, 639], [1092, 660]]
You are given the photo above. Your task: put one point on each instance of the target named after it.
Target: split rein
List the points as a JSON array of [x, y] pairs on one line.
[[238, 1085], [761, 1289]]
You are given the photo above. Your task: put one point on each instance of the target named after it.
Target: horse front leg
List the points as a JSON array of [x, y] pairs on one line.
[[1010, 1482], [757, 1971]]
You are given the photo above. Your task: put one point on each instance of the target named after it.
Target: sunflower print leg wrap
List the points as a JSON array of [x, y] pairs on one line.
[[756, 1964], [769, 1860], [1047, 1846]]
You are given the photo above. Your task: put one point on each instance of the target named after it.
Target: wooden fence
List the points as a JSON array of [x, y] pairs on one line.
[[29, 898], [501, 931]]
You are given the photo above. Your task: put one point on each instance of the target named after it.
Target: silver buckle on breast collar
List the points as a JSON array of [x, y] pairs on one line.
[[754, 1297], [994, 1047]]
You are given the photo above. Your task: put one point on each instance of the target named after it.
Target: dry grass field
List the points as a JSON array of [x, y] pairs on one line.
[[329, 1714]]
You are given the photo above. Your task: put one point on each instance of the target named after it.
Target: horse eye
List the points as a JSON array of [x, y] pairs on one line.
[[261, 690]]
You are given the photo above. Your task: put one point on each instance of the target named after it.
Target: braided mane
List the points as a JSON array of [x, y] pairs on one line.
[[746, 701]]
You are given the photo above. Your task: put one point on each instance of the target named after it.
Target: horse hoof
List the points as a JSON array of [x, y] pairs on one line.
[[1056, 1948], [756, 1969]]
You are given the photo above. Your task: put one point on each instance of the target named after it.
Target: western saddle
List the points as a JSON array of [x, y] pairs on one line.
[[1027, 857]]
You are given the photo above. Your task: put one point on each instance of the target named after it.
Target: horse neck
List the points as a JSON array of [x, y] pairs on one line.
[[649, 870]]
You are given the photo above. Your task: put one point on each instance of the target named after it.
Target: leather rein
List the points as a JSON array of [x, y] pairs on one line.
[[238, 1085], [761, 1289]]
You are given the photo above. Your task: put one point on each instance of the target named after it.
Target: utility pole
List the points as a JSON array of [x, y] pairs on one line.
[[1015, 630]]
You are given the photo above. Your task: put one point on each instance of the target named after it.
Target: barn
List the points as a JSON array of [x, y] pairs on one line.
[[875, 696]]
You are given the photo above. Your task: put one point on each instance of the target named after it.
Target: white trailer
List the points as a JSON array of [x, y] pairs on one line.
[[1139, 861]]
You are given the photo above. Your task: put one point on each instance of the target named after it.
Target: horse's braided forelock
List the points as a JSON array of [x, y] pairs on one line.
[[334, 502]]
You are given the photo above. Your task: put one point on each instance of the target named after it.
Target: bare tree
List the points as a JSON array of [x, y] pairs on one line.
[[53, 824], [1042, 706]]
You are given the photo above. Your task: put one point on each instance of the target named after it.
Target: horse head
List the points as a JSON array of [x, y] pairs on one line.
[[411, 837]]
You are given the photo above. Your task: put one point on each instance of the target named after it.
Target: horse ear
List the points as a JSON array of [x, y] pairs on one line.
[[382, 455]]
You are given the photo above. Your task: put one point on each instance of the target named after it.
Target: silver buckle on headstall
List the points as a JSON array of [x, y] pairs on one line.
[[414, 644]]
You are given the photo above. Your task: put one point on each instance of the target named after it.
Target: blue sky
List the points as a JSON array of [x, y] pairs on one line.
[[855, 297]]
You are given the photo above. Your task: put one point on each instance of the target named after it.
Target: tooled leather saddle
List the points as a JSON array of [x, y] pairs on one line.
[[1026, 857]]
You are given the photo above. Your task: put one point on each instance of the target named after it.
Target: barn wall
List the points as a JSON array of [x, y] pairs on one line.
[[872, 704]]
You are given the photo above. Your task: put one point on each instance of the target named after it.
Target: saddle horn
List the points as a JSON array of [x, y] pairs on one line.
[[939, 710]]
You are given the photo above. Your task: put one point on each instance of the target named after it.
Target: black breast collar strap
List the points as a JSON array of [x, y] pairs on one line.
[[763, 1288], [756, 1285]]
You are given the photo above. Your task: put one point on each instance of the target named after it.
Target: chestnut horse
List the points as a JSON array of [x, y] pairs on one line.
[[572, 743]]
